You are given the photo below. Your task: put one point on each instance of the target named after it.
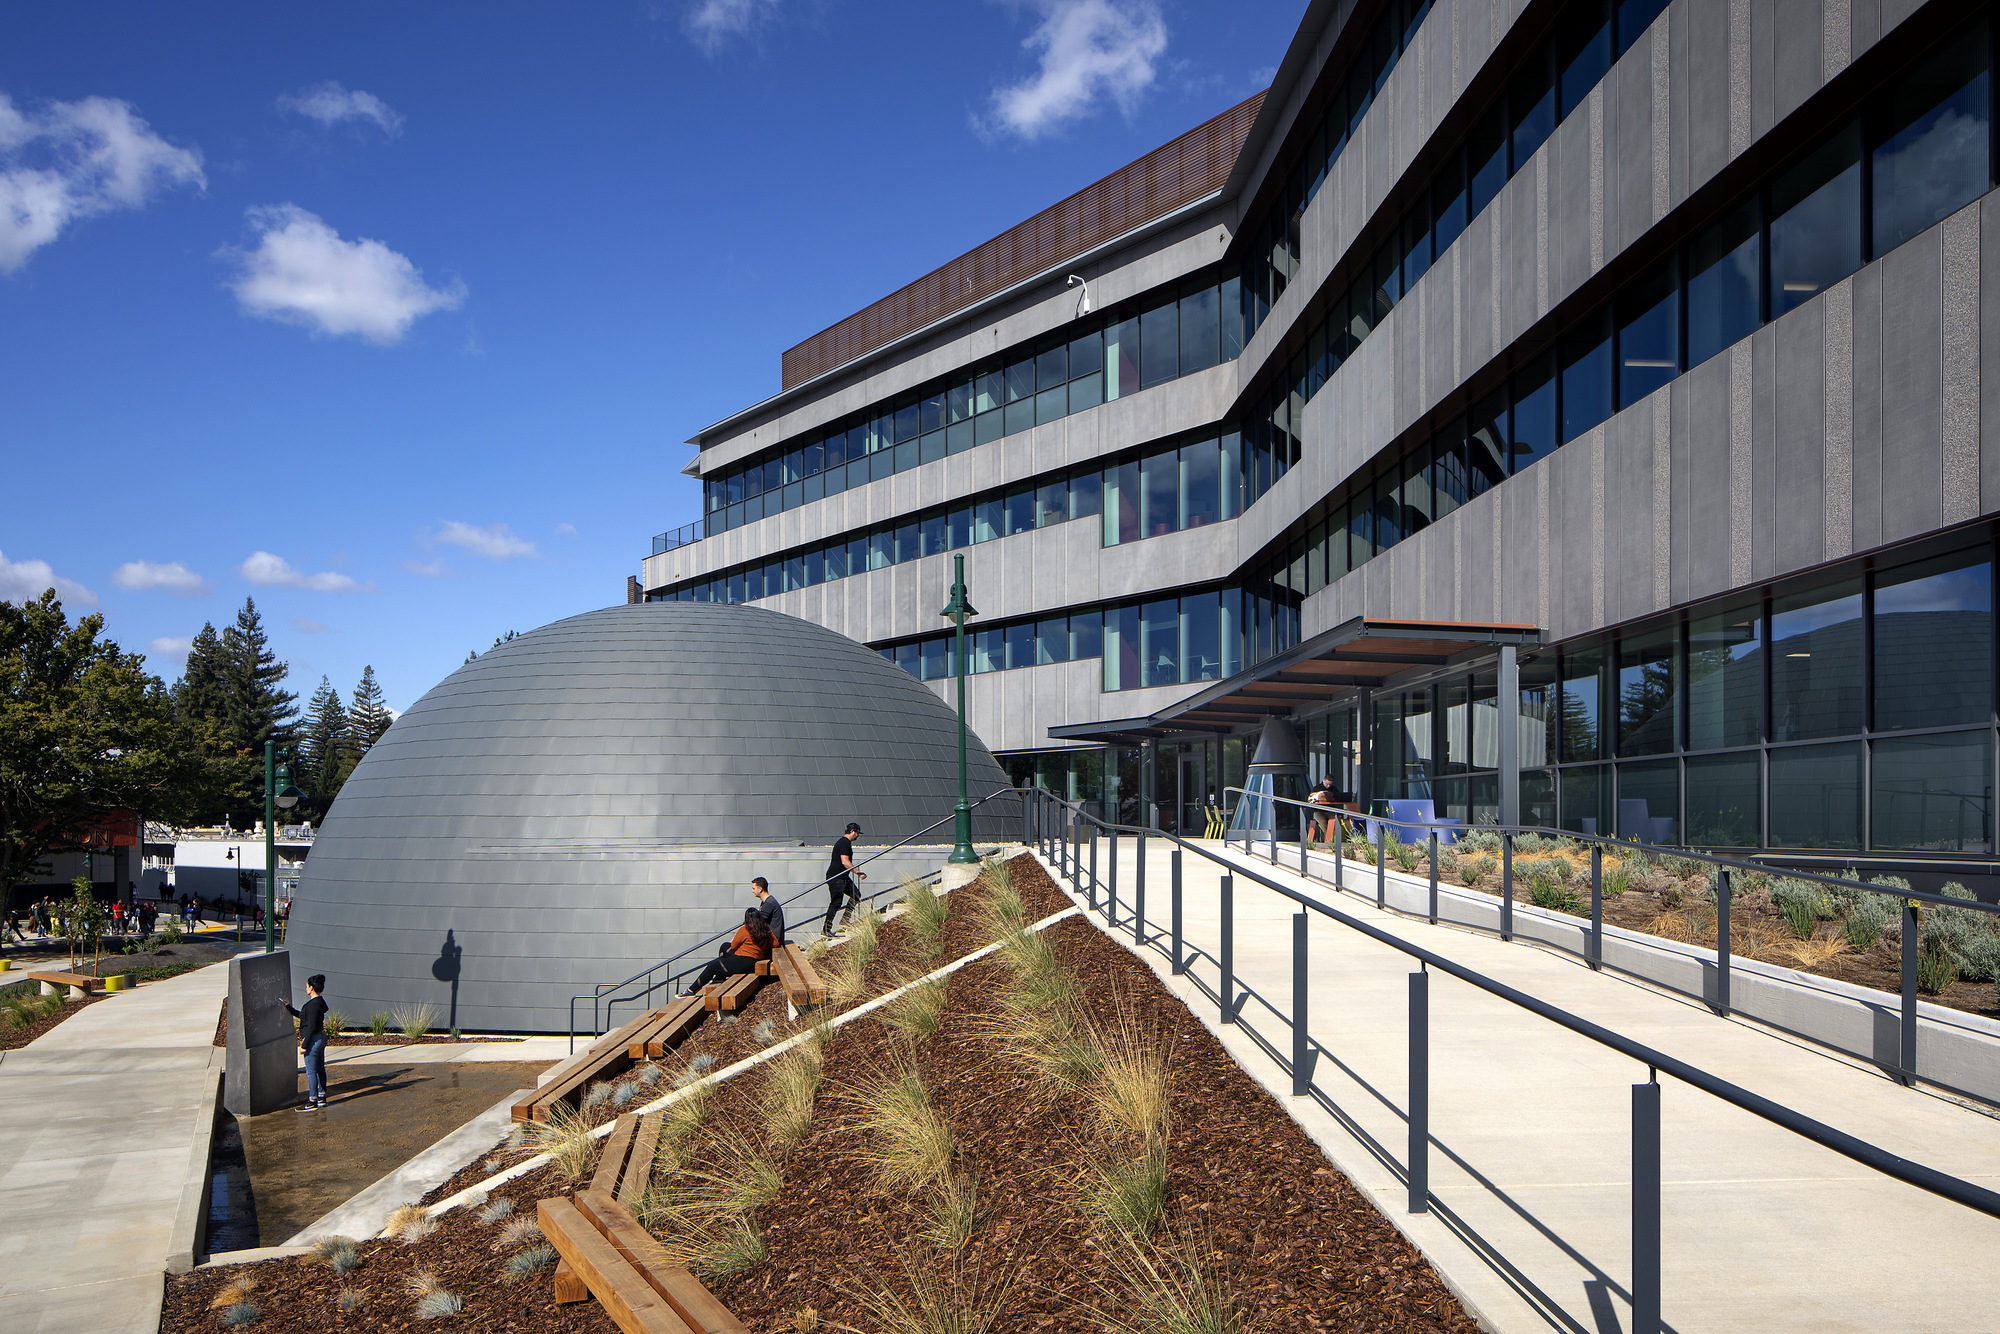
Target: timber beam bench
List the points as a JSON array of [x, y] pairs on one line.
[[801, 981], [79, 984], [724, 999], [650, 1035]]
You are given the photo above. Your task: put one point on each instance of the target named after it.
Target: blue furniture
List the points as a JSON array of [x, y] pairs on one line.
[[1410, 820]]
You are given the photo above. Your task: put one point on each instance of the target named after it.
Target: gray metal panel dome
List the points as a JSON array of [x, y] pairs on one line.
[[590, 797]]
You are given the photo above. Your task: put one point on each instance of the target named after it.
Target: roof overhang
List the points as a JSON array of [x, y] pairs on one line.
[[1361, 654]]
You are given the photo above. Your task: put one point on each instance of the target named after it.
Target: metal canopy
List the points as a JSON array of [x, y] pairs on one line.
[[1361, 654]]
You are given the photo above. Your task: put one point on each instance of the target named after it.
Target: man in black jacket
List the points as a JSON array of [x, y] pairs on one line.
[[774, 911], [312, 1041]]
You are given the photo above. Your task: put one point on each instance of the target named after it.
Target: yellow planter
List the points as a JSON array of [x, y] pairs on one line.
[[117, 981], [6, 964]]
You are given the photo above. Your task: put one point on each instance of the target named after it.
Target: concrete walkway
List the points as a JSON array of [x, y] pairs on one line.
[[90, 1198], [1530, 1166]]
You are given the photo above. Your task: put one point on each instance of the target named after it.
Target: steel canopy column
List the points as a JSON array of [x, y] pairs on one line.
[[1510, 737]]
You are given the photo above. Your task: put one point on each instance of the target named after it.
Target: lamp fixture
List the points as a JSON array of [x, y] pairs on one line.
[[1083, 303]]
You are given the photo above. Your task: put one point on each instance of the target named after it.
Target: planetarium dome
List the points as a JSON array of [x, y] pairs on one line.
[[593, 796]]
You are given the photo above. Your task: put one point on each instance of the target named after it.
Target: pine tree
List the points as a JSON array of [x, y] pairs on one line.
[[199, 694], [368, 717], [322, 763], [256, 710]]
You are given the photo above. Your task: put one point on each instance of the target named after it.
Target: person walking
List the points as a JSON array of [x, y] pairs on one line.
[[772, 911], [752, 942], [312, 1041], [841, 876]]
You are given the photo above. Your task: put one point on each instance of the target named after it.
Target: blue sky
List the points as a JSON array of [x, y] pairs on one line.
[[396, 316]]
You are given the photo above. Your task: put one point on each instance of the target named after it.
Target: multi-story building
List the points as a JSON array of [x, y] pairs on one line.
[[1627, 355]]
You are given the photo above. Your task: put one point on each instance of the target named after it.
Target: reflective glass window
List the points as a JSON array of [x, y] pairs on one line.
[[958, 401], [1586, 798], [1934, 793], [815, 458], [906, 543], [1532, 423], [814, 563], [1360, 530], [1201, 479], [1161, 502], [1538, 797], [1020, 641], [1725, 678], [1121, 648], [930, 413], [990, 426], [1229, 307], [1485, 162], [795, 573], [1201, 637], [933, 534], [1416, 491], [1159, 345], [988, 519], [1051, 404], [1486, 444], [1416, 244], [1020, 415], [1121, 359], [1933, 642], [1086, 635], [1448, 217], [858, 557], [1448, 467], [1360, 309], [1051, 503], [1086, 494], [1086, 355], [1586, 376], [1583, 52], [1723, 801], [1200, 331], [1121, 504], [1929, 142], [1648, 691], [960, 520], [1815, 796], [1649, 801], [1388, 511], [1020, 511], [988, 391], [1052, 640], [1722, 284], [794, 466], [1388, 275], [1634, 17], [1816, 662], [1021, 380], [1052, 367], [1649, 344], [1531, 110], [910, 657], [1584, 735], [1816, 222], [985, 651], [905, 422], [774, 475]]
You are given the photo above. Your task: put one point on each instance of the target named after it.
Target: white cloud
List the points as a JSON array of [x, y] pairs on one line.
[[277, 572], [329, 104], [565, 530], [23, 581], [75, 159], [1088, 49], [308, 626], [139, 576], [496, 542], [437, 569], [302, 273], [169, 646], [711, 23]]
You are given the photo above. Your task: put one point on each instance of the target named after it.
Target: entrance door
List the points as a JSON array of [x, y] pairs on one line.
[[1194, 791]]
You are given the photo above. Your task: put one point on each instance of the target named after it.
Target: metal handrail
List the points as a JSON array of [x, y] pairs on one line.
[[605, 996], [1052, 822], [677, 538]]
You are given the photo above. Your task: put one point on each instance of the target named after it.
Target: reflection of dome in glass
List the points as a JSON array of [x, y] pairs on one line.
[[589, 797]]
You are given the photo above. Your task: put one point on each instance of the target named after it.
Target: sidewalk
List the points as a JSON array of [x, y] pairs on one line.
[[1530, 1165], [91, 1200]]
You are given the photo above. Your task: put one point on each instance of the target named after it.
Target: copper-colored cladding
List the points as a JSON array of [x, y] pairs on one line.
[[1176, 173]]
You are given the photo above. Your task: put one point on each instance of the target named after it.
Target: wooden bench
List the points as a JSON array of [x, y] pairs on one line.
[[606, 1058], [801, 981], [80, 984], [726, 998], [630, 1274], [672, 1028]]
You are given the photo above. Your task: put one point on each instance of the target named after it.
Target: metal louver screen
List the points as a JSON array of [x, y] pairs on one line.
[[1172, 175]]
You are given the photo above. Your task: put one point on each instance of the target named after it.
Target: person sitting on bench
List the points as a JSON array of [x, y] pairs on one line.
[[751, 943]]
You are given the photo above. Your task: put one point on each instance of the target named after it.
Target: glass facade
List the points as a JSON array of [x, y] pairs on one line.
[[1660, 731]]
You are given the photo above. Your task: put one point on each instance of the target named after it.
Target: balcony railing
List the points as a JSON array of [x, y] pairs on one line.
[[679, 537]]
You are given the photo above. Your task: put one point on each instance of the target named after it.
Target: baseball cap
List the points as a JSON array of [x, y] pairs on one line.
[[853, 828]]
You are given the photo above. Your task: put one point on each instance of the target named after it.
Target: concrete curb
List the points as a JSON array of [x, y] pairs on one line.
[[252, 1256], [367, 1213], [191, 1217]]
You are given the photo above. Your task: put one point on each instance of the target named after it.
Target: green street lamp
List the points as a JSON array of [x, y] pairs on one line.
[[958, 609], [285, 799]]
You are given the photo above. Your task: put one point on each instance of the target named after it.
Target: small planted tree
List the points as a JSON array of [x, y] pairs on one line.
[[85, 921]]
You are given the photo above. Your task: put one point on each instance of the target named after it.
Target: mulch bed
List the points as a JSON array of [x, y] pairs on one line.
[[1294, 1242], [12, 1039]]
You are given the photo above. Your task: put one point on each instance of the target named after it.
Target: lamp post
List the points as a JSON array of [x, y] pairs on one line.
[[285, 800], [958, 609]]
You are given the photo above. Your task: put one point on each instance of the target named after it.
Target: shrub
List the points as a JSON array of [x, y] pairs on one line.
[[338, 1252], [945, 1299], [352, 1298], [1407, 855], [909, 1144], [913, 1016], [565, 1137], [1477, 869], [926, 911], [1171, 1290], [241, 1314], [523, 1265], [413, 1021], [378, 1023], [1617, 878], [438, 1303], [1937, 968], [1545, 892], [496, 1209], [1129, 1192], [1969, 936], [952, 1209], [1132, 1091], [333, 1022], [518, 1233], [1804, 904], [1683, 868], [1480, 840]]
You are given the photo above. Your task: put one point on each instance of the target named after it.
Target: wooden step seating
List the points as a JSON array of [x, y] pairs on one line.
[[724, 999], [607, 1254], [651, 1035], [801, 981], [79, 984]]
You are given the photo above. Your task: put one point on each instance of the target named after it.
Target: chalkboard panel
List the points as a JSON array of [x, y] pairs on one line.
[[264, 980]]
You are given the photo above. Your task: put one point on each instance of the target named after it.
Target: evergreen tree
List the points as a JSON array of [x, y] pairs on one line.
[[322, 765], [368, 717], [256, 709], [199, 696]]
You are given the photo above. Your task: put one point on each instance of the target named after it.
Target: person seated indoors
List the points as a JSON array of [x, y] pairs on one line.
[[751, 943]]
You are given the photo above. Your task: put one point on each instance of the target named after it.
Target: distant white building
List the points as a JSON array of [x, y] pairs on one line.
[[220, 864]]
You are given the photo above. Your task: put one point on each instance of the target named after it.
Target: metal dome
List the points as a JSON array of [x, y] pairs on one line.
[[591, 797]]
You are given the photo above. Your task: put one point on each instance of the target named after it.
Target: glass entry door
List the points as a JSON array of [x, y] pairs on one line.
[[1195, 795]]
